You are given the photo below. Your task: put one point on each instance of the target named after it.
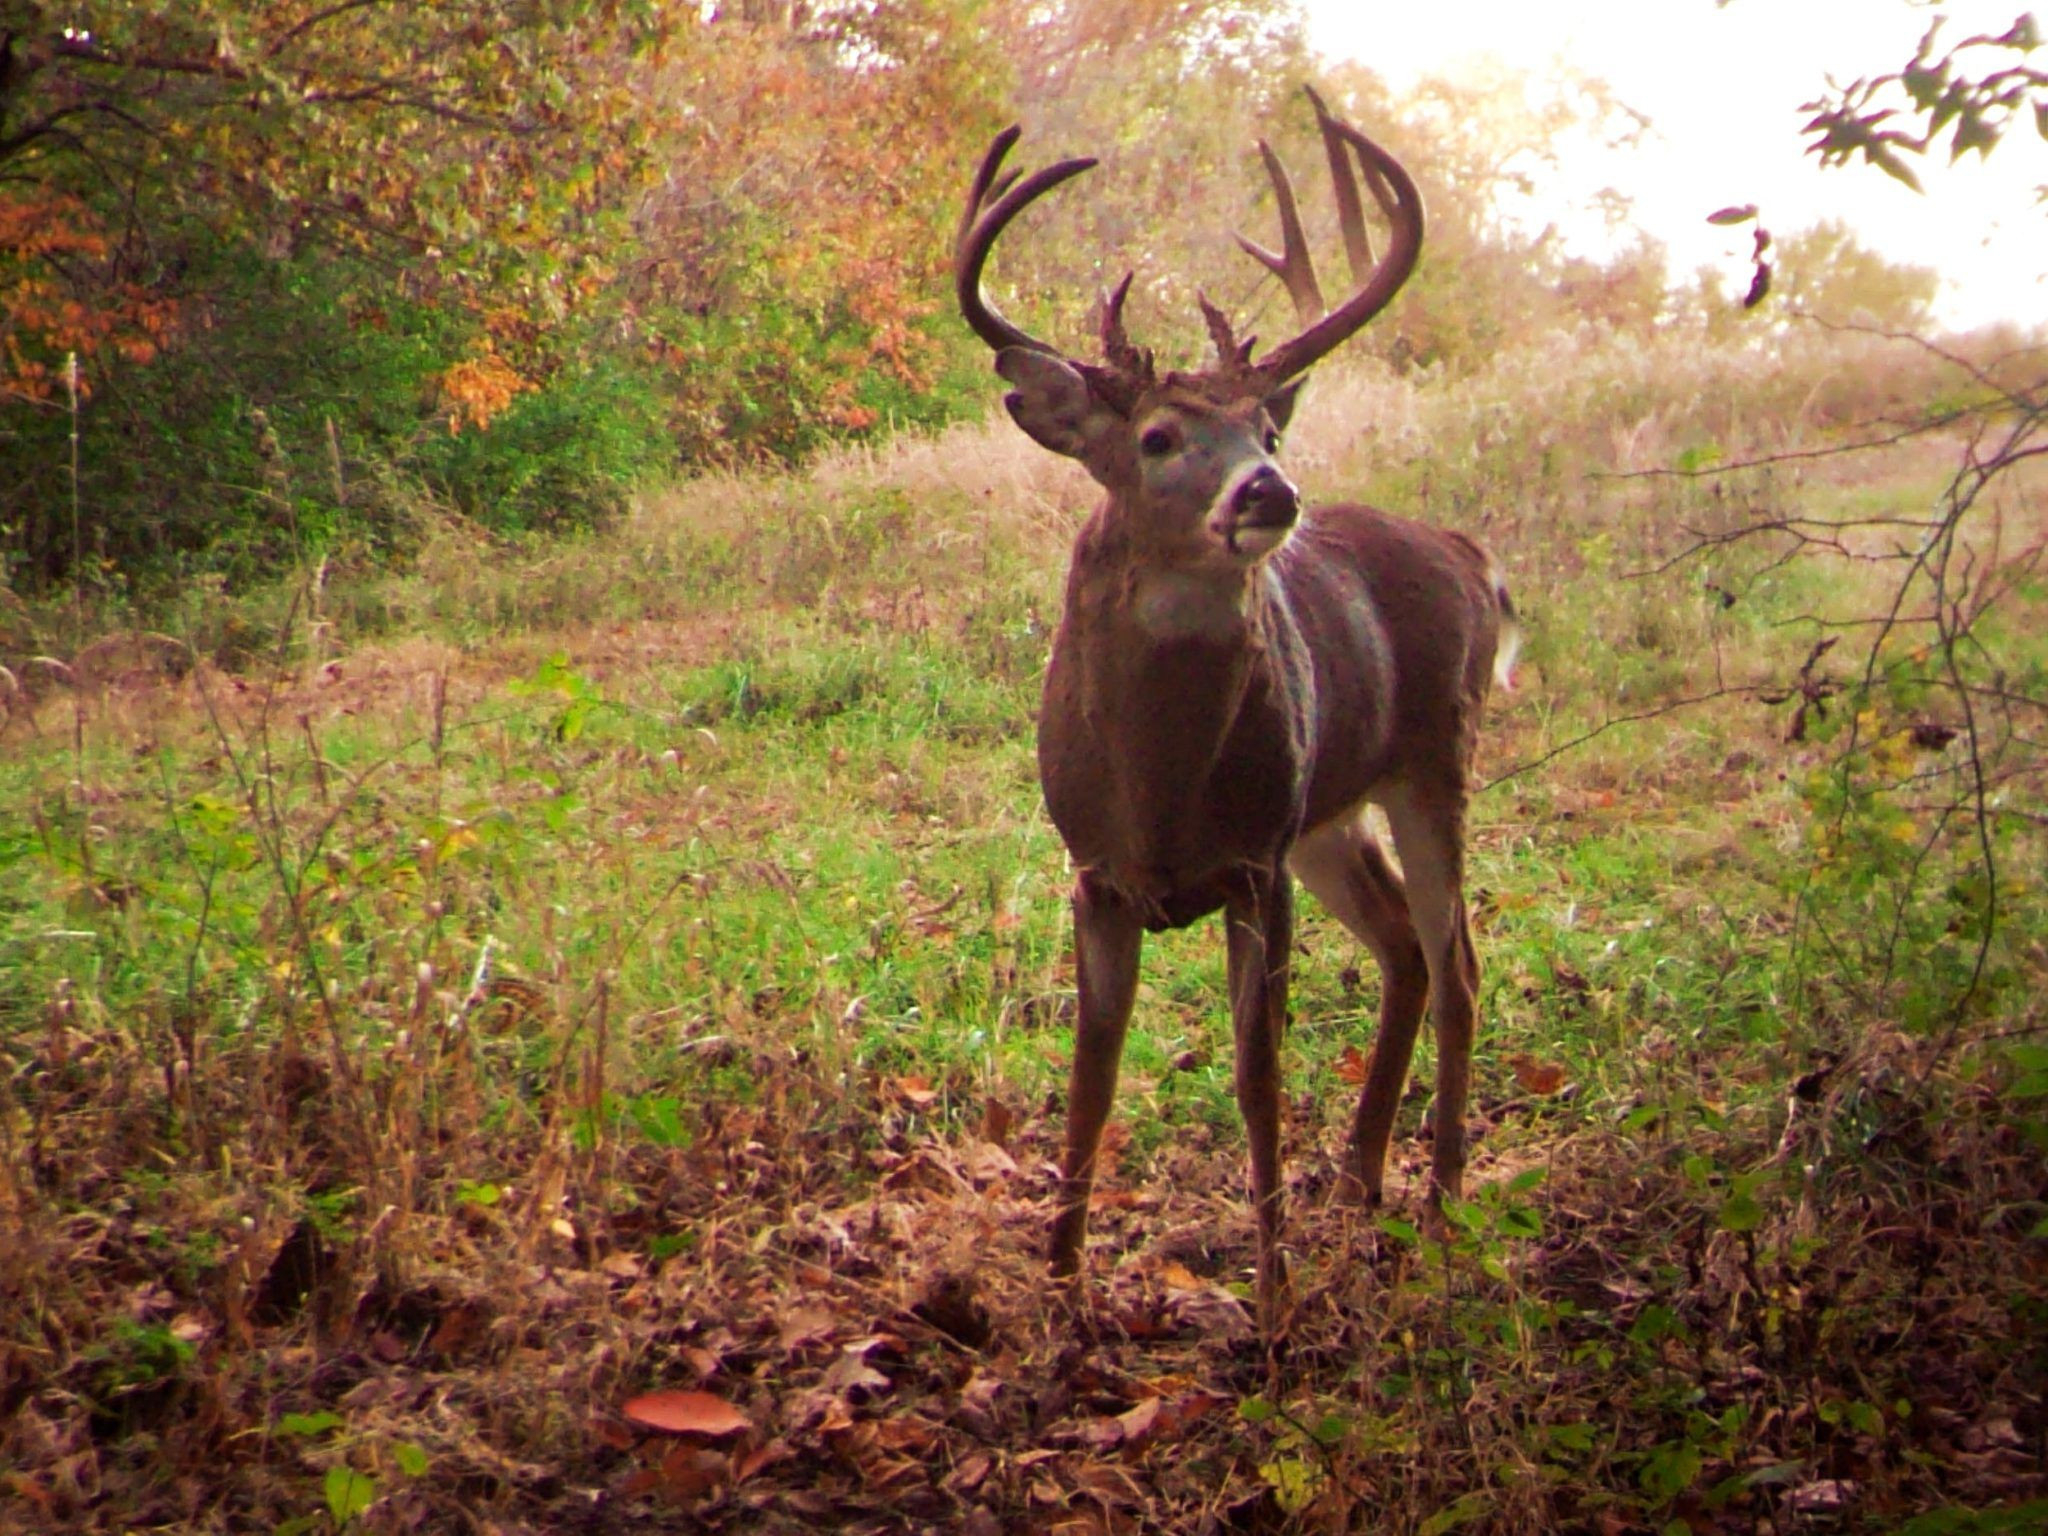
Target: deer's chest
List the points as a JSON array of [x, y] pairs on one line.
[[1170, 763]]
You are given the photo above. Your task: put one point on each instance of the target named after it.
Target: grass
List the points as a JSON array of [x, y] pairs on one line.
[[558, 972]]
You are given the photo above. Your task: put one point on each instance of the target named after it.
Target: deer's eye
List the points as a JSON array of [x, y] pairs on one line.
[[1155, 442], [1272, 440]]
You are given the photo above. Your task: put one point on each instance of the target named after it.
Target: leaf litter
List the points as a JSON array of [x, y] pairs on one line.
[[893, 1357]]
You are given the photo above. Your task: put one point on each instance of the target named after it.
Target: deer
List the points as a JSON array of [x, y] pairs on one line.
[[1236, 677]]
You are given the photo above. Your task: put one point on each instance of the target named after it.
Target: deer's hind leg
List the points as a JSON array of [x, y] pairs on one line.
[[1345, 869], [1429, 835]]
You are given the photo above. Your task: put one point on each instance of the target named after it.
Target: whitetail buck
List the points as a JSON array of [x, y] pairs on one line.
[[1235, 679]]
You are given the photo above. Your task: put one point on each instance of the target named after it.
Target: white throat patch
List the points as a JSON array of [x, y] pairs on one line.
[[1184, 605]]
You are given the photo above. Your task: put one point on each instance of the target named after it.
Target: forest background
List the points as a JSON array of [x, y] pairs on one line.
[[522, 881], [304, 259]]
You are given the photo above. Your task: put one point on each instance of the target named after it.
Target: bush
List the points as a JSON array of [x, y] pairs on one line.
[[563, 456], [295, 418]]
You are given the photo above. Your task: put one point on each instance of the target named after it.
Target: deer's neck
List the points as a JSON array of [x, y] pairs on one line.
[[1165, 647]]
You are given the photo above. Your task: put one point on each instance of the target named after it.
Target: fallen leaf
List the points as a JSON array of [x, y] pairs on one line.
[[969, 1475], [1352, 1067], [1824, 1496], [1212, 1312], [804, 1325], [986, 1163], [1537, 1077], [690, 1471], [916, 1092], [997, 1121], [851, 1373], [686, 1413], [617, 1436], [1138, 1422], [760, 1457]]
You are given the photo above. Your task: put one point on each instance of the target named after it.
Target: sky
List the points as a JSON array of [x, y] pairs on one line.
[[1722, 87]]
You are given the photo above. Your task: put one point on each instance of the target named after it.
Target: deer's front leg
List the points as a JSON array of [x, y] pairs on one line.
[[1261, 925], [1107, 942]]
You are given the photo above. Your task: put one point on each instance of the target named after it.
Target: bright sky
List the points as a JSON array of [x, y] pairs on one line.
[[1722, 87]]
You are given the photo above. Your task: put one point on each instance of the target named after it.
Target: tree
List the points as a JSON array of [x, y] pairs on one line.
[[487, 152], [1826, 272]]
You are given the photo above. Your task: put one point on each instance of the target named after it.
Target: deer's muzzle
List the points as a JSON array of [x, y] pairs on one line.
[[1258, 513]]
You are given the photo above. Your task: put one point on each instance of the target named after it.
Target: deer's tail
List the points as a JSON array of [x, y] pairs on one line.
[[1509, 646]]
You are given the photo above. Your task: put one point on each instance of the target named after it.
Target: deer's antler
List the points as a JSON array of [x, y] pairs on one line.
[[992, 202], [996, 199], [1374, 284]]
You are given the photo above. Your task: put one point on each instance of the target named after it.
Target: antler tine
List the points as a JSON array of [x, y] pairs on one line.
[[1002, 184], [1376, 284], [992, 202], [1294, 266], [1133, 362], [1350, 212], [1227, 349]]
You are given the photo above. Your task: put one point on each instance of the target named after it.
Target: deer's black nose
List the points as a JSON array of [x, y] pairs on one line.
[[1267, 499]]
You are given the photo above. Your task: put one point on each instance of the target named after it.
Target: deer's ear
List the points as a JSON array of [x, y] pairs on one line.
[[1280, 403], [1053, 403]]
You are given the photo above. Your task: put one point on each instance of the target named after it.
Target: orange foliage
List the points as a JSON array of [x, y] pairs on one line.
[[41, 319], [478, 388]]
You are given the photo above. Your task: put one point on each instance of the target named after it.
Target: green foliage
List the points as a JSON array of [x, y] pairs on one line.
[[301, 423], [1970, 94], [560, 457]]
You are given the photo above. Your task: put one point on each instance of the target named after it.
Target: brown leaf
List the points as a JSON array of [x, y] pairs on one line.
[[910, 1434], [690, 1471], [851, 1373], [1825, 1496], [987, 1163], [686, 1413], [460, 1326], [969, 1475], [705, 1363], [1100, 1435], [1139, 1422], [1176, 1276], [1537, 1077], [388, 1346], [997, 1121], [888, 1343], [1352, 1067], [617, 1436], [761, 1456], [915, 1091], [1141, 1322], [803, 1325]]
